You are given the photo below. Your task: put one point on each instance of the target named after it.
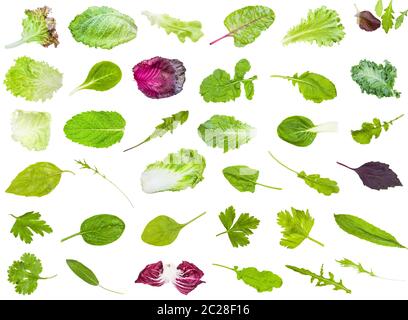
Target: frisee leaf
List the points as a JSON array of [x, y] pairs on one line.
[[347, 263], [244, 178], [182, 29], [36, 180], [314, 87], [370, 130], [246, 24], [238, 230], [33, 80], [95, 170], [262, 281], [322, 26], [100, 230], [296, 227], [321, 280], [169, 124], [103, 76], [38, 27], [225, 132], [387, 19], [376, 79], [364, 230], [220, 87], [97, 129], [322, 185], [103, 27], [25, 274], [27, 224], [163, 230]]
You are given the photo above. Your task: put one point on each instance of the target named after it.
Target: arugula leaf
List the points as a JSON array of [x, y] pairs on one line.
[[321, 185], [103, 27], [246, 24], [38, 27], [25, 273], [322, 26], [169, 124], [376, 79], [239, 230], [313, 86], [225, 132], [28, 223], [379, 8], [321, 280], [347, 263], [182, 29], [296, 227], [388, 18], [95, 170], [220, 87], [369, 130], [97, 129], [36, 180], [163, 230], [33, 80], [262, 281], [244, 178], [366, 231], [100, 230]]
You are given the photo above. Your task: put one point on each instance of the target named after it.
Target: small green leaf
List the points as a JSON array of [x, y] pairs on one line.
[[100, 230], [388, 18], [347, 263], [296, 130], [103, 76], [379, 8], [37, 180], [28, 223], [325, 186], [83, 272], [401, 18]]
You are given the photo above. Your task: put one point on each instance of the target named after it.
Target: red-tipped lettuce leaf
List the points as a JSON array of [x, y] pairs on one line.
[[189, 277], [152, 275]]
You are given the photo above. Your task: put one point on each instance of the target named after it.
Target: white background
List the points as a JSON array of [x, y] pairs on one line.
[[81, 196]]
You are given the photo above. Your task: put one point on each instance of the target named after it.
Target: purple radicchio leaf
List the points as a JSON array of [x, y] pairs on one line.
[[376, 175], [188, 277], [367, 21], [152, 275], [159, 77]]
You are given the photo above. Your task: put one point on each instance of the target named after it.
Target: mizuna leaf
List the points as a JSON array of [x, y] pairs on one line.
[[37, 180], [163, 230], [321, 280], [103, 27], [322, 26], [100, 230], [371, 130], [376, 79], [313, 86], [262, 281], [225, 132], [169, 124], [376, 175], [388, 18], [27, 224], [103, 76], [182, 29], [321, 185], [98, 129], [221, 87], [366, 231], [347, 263], [244, 178], [247, 24]]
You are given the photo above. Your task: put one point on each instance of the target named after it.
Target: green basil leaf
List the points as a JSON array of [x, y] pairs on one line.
[[83, 272], [37, 180], [100, 230], [321, 185], [366, 231]]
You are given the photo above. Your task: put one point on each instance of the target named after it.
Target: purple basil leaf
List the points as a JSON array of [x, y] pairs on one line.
[[376, 175]]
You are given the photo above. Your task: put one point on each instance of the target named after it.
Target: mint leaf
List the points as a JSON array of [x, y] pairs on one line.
[[28, 223]]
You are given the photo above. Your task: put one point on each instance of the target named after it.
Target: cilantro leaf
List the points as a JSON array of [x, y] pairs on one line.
[[297, 226], [239, 231], [28, 223], [25, 273]]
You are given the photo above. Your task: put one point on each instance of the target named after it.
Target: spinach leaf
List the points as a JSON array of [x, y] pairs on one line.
[[313, 86], [103, 76], [247, 24], [244, 178], [163, 230], [366, 231], [36, 180], [100, 230]]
